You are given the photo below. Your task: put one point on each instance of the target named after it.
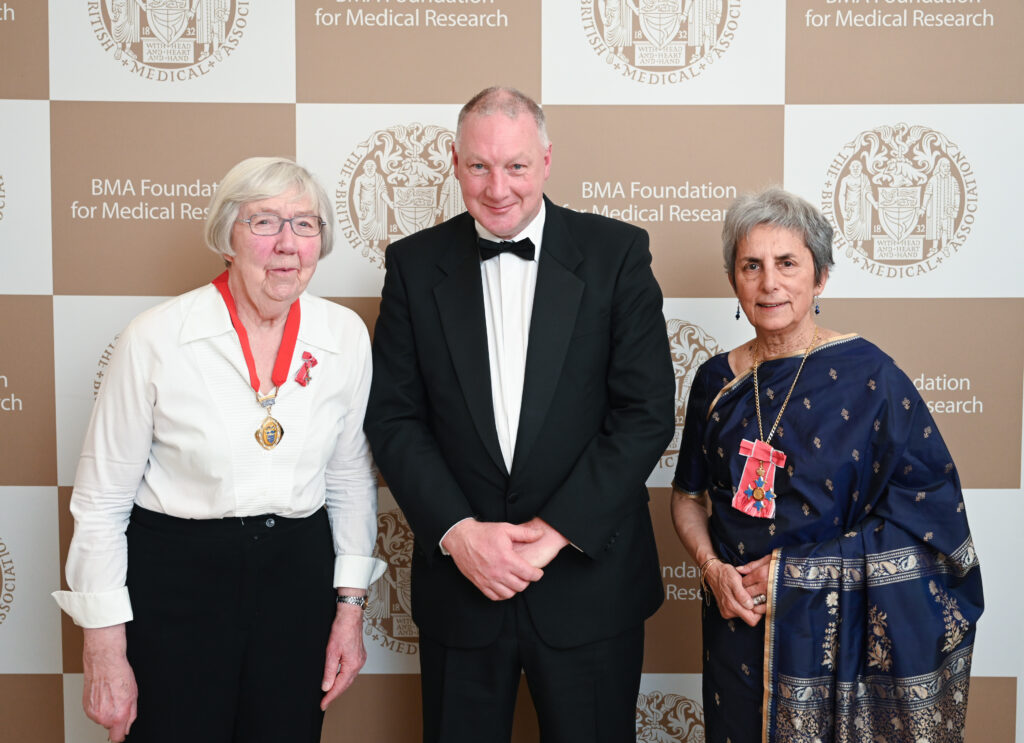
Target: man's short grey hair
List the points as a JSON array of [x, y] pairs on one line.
[[778, 208], [258, 178], [507, 101]]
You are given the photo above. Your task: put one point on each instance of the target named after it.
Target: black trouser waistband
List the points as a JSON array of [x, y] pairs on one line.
[[226, 527]]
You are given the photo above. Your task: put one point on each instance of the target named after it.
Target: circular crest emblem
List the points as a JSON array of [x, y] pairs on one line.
[[397, 182], [668, 718], [389, 607], [690, 347], [658, 42], [169, 40], [902, 200]]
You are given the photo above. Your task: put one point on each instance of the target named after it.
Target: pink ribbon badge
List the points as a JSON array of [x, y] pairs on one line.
[[302, 376], [756, 494]]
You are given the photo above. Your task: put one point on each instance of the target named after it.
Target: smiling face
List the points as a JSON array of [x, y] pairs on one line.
[[775, 284], [501, 165], [268, 272]]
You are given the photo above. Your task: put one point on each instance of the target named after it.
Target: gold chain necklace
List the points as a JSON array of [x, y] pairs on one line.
[[757, 391]]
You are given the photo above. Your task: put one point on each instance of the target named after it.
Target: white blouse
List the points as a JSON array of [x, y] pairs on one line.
[[173, 430]]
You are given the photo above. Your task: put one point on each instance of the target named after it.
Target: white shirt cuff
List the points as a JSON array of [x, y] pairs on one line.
[[356, 571], [92, 610]]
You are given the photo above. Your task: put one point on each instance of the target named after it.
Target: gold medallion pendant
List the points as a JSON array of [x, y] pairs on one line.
[[759, 491], [270, 433]]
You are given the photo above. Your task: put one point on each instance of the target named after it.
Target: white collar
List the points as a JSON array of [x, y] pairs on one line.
[[206, 316]]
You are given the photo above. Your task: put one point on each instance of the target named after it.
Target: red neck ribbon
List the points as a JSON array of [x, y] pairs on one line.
[[284, 353]]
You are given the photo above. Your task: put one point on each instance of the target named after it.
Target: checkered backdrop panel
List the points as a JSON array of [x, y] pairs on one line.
[[117, 118]]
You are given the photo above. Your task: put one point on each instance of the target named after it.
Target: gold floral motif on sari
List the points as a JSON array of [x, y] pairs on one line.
[[955, 622], [879, 644], [830, 645]]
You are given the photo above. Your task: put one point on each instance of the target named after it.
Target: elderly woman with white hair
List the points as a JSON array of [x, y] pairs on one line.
[[225, 500], [824, 510]]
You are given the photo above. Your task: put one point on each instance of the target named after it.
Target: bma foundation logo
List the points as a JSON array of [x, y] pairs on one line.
[[397, 182], [7, 581], [169, 40], [389, 607], [659, 42], [901, 198], [668, 718], [690, 346]]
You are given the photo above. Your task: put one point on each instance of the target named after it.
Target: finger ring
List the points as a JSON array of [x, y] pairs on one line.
[[760, 599]]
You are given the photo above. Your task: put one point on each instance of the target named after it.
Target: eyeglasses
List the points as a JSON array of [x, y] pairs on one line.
[[266, 225]]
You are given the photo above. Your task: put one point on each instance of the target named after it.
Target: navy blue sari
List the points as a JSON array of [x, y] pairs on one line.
[[874, 588]]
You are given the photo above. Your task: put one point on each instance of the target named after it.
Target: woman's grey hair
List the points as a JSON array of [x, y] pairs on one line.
[[779, 208], [258, 178], [507, 101]]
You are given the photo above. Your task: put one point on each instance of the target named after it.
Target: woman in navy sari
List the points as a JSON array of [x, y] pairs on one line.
[[825, 512]]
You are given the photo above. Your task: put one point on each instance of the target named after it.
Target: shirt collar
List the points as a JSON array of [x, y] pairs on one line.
[[206, 316]]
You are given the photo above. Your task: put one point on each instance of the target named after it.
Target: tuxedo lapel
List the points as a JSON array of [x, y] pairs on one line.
[[460, 302], [555, 305]]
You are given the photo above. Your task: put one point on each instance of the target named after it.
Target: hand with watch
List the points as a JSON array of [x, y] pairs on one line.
[[345, 652]]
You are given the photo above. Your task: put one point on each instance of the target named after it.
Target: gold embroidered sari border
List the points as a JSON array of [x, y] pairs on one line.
[[878, 569], [769, 643], [877, 690]]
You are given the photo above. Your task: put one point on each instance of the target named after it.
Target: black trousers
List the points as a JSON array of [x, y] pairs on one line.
[[584, 694], [231, 624]]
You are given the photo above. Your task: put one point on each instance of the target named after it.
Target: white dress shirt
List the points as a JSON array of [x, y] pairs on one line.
[[173, 430], [509, 283]]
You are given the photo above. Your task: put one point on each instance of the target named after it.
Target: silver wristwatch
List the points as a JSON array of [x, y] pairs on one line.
[[359, 601]]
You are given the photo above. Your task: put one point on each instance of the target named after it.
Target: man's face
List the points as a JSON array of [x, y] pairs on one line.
[[501, 166]]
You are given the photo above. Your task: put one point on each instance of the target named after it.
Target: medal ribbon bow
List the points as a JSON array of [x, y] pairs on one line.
[[302, 376], [756, 496]]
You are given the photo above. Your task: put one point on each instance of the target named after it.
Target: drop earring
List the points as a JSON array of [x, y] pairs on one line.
[[817, 307], [737, 310]]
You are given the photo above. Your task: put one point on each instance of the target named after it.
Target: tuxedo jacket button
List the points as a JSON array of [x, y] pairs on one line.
[[513, 496]]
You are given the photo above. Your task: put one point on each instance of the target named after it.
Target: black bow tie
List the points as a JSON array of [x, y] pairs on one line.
[[523, 248]]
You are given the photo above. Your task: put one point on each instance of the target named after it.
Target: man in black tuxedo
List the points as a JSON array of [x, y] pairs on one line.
[[522, 393]]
